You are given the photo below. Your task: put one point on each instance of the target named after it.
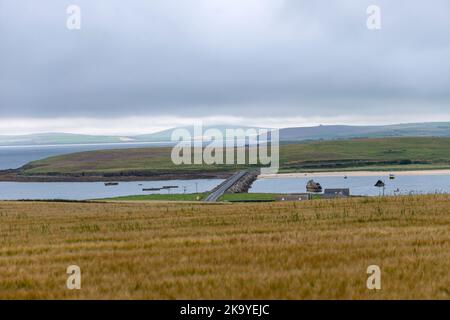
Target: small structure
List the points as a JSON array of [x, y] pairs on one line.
[[294, 197], [313, 186], [109, 184], [151, 189], [337, 193], [381, 184]]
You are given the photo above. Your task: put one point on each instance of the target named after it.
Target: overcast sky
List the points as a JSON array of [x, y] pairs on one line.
[[139, 66]]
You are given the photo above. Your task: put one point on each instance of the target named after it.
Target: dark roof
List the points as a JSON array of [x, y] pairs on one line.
[[339, 191], [379, 184]]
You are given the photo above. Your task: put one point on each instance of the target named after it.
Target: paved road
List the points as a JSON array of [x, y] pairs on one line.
[[224, 186]]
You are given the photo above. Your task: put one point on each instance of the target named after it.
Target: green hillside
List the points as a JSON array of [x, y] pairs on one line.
[[358, 154], [297, 134]]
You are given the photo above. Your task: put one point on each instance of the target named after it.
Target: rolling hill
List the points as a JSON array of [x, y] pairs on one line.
[[436, 129], [57, 139], [148, 163], [323, 132]]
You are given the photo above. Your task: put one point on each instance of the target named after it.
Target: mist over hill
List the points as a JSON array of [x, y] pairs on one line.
[[57, 139], [322, 132], [435, 129]]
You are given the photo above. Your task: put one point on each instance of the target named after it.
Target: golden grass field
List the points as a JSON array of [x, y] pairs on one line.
[[312, 250]]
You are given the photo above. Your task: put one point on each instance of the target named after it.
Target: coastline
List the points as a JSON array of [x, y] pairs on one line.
[[354, 174], [13, 176]]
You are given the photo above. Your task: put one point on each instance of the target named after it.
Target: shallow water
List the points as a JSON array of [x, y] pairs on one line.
[[402, 185], [96, 190]]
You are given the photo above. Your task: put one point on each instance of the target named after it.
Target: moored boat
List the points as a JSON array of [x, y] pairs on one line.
[[151, 189]]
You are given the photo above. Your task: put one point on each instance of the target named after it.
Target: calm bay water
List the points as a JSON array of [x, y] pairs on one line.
[[14, 157], [402, 185], [96, 190]]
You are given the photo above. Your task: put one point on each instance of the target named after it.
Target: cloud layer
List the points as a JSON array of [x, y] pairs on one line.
[[231, 58]]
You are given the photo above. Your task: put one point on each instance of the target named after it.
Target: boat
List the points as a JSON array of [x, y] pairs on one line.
[[170, 187], [313, 186], [108, 184], [392, 176], [151, 189]]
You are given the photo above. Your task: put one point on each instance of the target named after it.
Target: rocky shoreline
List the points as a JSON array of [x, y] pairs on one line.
[[17, 176]]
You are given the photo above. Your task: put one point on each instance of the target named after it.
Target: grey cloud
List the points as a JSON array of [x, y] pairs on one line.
[[223, 57]]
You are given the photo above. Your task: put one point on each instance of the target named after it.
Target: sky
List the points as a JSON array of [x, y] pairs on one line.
[[141, 66]]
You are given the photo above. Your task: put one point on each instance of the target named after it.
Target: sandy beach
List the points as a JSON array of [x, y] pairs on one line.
[[355, 174]]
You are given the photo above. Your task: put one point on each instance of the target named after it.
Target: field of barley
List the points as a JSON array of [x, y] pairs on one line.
[[313, 250]]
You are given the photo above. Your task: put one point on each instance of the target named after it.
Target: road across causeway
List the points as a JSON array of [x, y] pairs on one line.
[[225, 186]]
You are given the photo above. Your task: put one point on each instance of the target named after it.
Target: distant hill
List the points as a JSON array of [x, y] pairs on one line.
[[57, 138], [139, 164], [68, 138], [167, 134], [435, 129], [325, 132]]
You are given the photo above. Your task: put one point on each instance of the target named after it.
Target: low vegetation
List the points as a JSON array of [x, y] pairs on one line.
[[237, 197], [310, 250], [357, 154], [244, 197], [161, 197]]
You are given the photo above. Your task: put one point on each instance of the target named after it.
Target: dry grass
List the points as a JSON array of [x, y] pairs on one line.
[[316, 249]]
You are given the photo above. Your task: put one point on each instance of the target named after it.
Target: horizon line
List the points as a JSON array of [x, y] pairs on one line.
[[117, 135]]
